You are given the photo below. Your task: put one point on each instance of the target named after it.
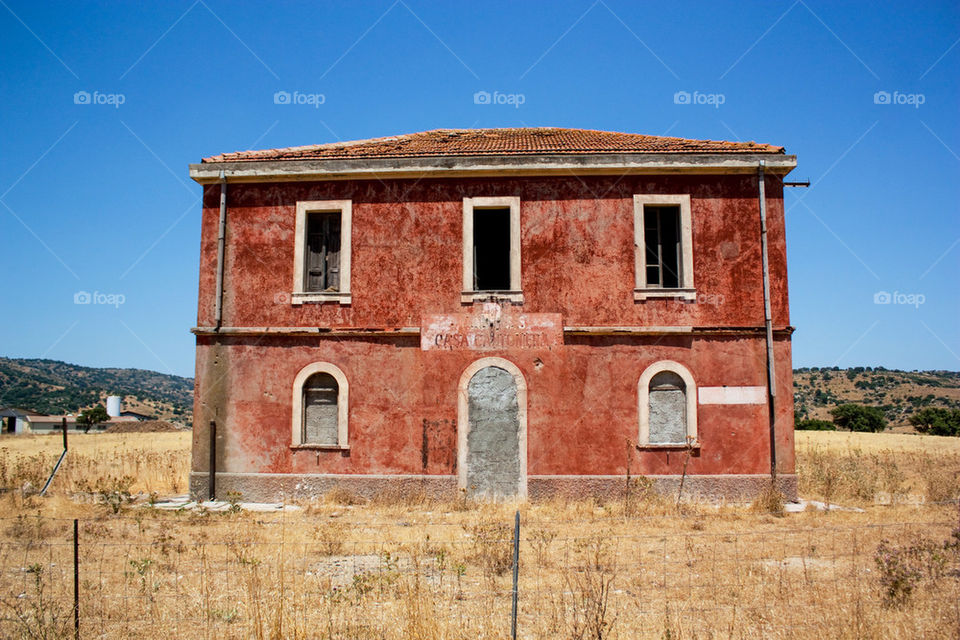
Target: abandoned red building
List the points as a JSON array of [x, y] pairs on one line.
[[505, 312]]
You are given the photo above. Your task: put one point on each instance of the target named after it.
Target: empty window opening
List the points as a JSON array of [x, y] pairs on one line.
[[668, 409], [322, 268], [661, 235], [491, 249], [320, 410]]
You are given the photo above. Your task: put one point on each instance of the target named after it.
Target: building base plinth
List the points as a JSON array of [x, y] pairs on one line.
[[726, 487], [275, 487]]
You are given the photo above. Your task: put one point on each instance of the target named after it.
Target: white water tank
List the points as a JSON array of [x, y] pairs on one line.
[[113, 406]]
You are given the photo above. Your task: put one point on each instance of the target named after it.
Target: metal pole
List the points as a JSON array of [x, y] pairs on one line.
[[213, 460], [56, 467], [768, 321], [516, 574], [76, 579]]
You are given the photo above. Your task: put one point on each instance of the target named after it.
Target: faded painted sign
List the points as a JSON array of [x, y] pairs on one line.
[[733, 395], [491, 329]]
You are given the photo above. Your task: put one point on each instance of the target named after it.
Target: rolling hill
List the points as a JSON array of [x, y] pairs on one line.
[[50, 386], [54, 387], [899, 394]]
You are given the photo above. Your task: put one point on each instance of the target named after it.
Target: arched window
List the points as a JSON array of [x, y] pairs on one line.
[[320, 393], [320, 407], [668, 406]]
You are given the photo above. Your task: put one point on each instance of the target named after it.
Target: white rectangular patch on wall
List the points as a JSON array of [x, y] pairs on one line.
[[732, 395]]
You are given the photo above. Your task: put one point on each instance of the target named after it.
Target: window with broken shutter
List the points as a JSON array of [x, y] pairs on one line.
[[668, 409], [320, 411], [323, 252], [661, 235]]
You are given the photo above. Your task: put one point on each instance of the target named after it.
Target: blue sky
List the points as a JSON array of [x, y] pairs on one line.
[[94, 194]]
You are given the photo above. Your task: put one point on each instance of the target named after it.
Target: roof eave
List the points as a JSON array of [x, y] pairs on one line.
[[491, 165]]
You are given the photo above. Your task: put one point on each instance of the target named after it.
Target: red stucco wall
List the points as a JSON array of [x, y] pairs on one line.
[[577, 260], [577, 250]]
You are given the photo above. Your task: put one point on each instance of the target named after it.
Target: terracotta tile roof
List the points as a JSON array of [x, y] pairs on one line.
[[507, 142]]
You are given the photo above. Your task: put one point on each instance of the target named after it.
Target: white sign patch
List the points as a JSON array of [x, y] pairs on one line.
[[732, 395]]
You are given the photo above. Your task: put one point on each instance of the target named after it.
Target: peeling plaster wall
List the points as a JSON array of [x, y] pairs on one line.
[[577, 250], [582, 406], [577, 260]]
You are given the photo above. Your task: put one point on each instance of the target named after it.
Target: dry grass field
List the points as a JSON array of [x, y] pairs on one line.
[[885, 565], [145, 462]]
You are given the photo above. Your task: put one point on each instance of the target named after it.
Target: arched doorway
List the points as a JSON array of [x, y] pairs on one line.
[[492, 430]]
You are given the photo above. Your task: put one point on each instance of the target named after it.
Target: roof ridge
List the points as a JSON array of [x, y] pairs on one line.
[[498, 141]]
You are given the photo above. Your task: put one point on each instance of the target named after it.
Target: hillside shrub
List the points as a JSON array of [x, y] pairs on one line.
[[857, 417], [937, 421], [811, 424]]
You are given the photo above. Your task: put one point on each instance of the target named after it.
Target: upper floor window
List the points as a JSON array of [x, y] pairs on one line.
[[322, 251], [661, 239], [491, 249], [663, 242], [322, 264]]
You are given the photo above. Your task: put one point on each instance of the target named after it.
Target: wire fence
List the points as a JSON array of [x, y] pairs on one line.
[[343, 575]]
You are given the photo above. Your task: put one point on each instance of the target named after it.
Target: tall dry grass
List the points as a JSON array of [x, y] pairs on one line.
[[878, 468], [136, 462], [343, 567], [587, 571]]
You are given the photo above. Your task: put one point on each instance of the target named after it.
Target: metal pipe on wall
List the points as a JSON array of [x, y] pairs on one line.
[[218, 317], [213, 461], [768, 321], [221, 236]]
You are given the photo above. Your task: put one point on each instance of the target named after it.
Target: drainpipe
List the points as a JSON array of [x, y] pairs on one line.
[[218, 319], [221, 235], [768, 321]]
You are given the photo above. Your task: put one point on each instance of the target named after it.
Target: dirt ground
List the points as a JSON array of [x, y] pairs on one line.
[[885, 564]]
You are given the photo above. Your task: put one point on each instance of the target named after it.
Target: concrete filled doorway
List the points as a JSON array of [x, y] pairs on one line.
[[492, 430]]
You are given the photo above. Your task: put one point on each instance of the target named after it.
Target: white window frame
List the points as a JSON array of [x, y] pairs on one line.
[[469, 294], [304, 207], [642, 291], [343, 396], [643, 395]]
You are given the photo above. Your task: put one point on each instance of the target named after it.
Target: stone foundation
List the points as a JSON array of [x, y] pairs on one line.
[[270, 487], [730, 487]]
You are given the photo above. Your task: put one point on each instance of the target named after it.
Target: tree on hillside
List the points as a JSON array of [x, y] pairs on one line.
[[90, 418], [814, 425], [937, 421], [857, 417]]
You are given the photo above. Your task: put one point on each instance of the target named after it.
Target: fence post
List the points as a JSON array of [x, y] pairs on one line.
[[56, 467], [516, 573], [76, 578]]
